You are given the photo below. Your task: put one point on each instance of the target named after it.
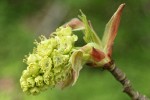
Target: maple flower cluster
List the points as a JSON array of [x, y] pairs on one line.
[[48, 64]]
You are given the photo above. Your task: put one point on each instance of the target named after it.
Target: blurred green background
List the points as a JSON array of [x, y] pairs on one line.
[[22, 21]]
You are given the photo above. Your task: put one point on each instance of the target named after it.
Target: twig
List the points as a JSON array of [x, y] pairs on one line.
[[127, 87]]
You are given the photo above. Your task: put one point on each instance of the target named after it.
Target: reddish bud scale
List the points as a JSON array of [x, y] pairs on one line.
[[75, 23], [97, 55]]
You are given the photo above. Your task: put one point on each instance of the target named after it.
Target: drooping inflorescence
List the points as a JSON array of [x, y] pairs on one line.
[[48, 64]]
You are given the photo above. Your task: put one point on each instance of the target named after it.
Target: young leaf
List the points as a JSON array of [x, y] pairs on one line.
[[111, 30], [90, 35]]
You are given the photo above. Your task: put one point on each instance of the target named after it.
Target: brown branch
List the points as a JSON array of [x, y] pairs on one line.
[[127, 87]]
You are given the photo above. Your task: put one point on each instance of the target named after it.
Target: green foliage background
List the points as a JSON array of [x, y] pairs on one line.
[[131, 48]]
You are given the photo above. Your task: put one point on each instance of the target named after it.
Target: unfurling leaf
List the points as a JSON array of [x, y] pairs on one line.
[[111, 30], [90, 35]]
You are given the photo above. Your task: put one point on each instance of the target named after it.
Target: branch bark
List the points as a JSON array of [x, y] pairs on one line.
[[120, 76]]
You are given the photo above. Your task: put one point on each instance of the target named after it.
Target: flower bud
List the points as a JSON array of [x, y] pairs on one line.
[[39, 81], [30, 82], [24, 85], [34, 90], [33, 58]]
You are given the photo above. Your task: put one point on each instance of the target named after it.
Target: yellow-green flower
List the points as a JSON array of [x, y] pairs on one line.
[[49, 64]]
